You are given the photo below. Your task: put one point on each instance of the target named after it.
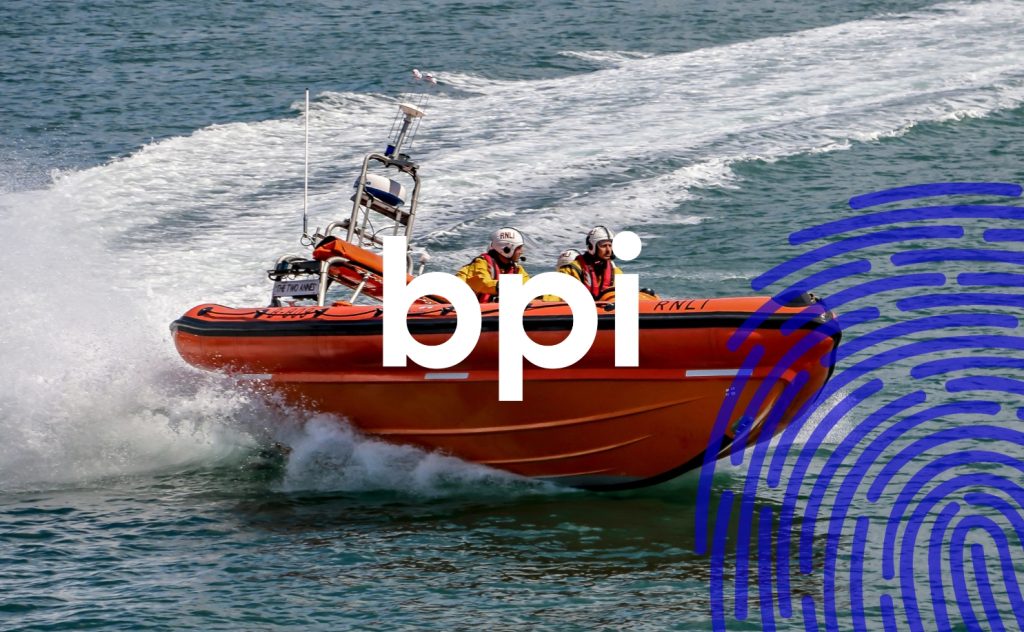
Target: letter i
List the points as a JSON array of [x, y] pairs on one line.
[[626, 246]]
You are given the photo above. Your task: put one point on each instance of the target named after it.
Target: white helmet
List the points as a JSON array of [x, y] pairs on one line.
[[506, 240], [598, 234], [567, 257]]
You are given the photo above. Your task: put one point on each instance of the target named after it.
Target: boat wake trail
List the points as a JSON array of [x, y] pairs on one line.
[[577, 150]]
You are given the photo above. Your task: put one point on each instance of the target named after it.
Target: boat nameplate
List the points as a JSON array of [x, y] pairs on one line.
[[297, 288]]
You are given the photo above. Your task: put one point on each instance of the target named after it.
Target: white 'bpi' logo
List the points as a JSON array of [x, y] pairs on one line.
[[513, 344]]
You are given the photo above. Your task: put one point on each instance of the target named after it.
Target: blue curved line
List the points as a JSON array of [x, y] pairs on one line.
[[836, 271], [862, 368], [832, 554], [793, 354], [711, 453], [917, 481], [825, 277], [767, 429], [781, 366], [835, 460], [856, 317], [868, 288], [943, 321], [881, 218], [852, 244], [928, 301], [972, 432], [957, 575], [751, 483], [865, 367], [848, 487], [850, 484], [935, 574], [998, 503], [887, 284], [917, 519], [860, 536], [1004, 234], [950, 343], [935, 551], [888, 613], [810, 613], [920, 478], [982, 583], [985, 383], [764, 391], [932, 255], [749, 494], [1008, 511], [799, 418], [769, 308], [1005, 279], [912, 192], [825, 426], [938, 367], [764, 569], [981, 580], [1020, 414], [852, 400], [774, 415], [718, 561]]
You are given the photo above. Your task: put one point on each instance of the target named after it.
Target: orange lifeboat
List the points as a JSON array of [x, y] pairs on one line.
[[714, 372], [590, 425]]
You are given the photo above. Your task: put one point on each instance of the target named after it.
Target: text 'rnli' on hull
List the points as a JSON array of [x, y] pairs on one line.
[[590, 425]]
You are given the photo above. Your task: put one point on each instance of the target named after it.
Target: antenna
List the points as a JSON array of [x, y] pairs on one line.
[[408, 113], [305, 188], [411, 113], [424, 99]]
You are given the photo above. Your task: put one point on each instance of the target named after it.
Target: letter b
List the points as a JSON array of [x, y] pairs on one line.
[[399, 296]]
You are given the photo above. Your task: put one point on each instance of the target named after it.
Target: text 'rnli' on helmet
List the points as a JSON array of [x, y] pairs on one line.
[[505, 241], [596, 236], [567, 257]]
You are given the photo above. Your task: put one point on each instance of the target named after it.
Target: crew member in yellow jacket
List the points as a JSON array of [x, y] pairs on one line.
[[595, 268], [481, 274]]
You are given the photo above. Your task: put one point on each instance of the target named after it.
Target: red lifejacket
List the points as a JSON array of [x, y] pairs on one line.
[[495, 268], [596, 283]]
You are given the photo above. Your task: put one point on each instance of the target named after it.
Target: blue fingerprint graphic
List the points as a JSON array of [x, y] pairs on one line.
[[895, 499]]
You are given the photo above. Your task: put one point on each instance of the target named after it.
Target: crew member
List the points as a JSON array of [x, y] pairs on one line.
[[481, 274], [595, 268], [567, 258]]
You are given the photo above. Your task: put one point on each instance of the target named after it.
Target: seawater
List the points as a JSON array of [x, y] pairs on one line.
[[151, 159]]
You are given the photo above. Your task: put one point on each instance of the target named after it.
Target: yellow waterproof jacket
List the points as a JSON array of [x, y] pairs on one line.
[[584, 272], [481, 274], [576, 271]]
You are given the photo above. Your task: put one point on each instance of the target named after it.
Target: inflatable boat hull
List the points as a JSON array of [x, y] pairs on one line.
[[712, 372]]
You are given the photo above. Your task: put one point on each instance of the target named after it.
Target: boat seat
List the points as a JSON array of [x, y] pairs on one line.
[[382, 207]]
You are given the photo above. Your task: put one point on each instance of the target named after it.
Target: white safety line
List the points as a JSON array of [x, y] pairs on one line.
[[446, 376], [716, 372]]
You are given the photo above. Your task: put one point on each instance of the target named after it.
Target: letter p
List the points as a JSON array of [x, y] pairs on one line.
[[514, 345]]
